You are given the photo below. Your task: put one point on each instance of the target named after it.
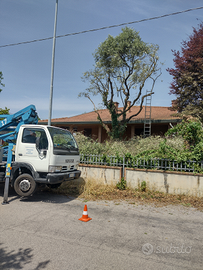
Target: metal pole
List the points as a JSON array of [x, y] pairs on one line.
[[8, 173], [6, 189], [52, 67]]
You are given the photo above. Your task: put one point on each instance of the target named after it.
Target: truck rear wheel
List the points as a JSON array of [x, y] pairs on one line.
[[25, 185]]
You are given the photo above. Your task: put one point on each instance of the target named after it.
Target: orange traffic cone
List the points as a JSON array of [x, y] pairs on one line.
[[85, 217]]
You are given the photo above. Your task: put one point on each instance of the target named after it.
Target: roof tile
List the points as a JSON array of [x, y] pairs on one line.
[[157, 113]]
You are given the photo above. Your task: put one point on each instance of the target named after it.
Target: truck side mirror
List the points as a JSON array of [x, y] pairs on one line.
[[44, 152]]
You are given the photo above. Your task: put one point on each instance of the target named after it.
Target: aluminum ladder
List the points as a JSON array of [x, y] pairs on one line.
[[147, 120]]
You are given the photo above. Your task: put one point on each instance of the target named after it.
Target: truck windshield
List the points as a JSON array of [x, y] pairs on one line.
[[62, 139]]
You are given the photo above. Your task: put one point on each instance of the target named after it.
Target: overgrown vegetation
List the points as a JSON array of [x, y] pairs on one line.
[[134, 147], [184, 142], [122, 185]]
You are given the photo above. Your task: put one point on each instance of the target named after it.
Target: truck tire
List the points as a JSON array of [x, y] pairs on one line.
[[25, 185]]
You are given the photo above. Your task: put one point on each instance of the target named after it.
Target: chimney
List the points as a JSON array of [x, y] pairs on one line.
[[128, 105]]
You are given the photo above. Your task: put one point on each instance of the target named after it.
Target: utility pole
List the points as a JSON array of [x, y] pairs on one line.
[[52, 66]]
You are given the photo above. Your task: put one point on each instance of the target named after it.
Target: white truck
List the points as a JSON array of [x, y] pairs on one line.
[[35, 154]]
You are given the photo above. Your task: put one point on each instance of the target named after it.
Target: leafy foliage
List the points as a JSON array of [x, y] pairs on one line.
[[182, 143], [187, 75], [190, 130], [122, 185], [122, 66], [143, 186], [4, 111], [138, 146]]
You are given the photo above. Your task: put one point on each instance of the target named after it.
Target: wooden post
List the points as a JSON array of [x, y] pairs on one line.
[[100, 134], [132, 131]]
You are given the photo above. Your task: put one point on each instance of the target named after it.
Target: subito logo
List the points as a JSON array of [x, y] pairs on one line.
[[147, 249]]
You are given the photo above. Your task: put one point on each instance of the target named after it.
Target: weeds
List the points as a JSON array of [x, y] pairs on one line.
[[143, 186], [122, 185], [91, 190]]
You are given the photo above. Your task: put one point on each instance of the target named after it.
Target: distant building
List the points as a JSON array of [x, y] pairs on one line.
[[161, 120]]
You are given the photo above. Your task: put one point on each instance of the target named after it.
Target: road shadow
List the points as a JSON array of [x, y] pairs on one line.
[[43, 194], [47, 196], [17, 259]]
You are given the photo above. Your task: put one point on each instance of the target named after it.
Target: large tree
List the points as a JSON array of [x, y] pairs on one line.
[[187, 84], [123, 64]]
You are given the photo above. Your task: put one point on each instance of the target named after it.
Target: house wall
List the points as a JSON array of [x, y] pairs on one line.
[[138, 129], [99, 133]]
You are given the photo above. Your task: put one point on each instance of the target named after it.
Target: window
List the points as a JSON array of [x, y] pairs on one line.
[[88, 132], [62, 139], [35, 135], [139, 131]]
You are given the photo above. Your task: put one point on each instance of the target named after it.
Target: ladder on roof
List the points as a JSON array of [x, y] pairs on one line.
[[147, 120]]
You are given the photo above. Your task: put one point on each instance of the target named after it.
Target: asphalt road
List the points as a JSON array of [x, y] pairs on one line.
[[43, 232]]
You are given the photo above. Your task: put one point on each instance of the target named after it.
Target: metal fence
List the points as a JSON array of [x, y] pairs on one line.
[[143, 163]]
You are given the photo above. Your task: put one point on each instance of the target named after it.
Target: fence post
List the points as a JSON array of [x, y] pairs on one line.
[[123, 170]]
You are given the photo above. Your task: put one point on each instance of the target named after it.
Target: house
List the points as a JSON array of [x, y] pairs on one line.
[[161, 120]]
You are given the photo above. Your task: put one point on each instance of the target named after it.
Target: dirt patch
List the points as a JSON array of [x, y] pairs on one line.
[[91, 191]]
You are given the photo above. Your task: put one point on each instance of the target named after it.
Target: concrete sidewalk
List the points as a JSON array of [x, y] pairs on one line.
[[43, 232]]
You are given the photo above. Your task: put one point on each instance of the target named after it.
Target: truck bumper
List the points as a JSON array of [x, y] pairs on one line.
[[56, 178]]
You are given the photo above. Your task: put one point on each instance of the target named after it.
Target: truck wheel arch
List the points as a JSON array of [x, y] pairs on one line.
[[19, 168]]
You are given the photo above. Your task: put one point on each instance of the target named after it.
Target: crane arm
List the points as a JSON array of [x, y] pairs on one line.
[[27, 115]]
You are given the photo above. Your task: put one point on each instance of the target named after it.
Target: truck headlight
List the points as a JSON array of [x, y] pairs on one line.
[[53, 169]]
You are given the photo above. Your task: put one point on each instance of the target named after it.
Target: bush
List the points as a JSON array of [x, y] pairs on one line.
[[182, 143], [137, 146]]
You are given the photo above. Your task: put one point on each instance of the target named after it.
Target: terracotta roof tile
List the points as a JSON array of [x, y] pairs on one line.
[[157, 113]]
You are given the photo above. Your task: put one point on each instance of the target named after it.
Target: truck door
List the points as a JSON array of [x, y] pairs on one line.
[[33, 148]]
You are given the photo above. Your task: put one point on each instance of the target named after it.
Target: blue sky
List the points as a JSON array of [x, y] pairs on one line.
[[27, 68]]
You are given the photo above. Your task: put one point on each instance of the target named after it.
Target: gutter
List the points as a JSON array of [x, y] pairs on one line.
[[139, 121]]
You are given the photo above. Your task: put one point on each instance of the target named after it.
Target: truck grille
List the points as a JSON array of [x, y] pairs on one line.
[[64, 168]]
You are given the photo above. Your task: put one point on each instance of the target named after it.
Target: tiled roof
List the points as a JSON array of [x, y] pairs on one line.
[[157, 113]]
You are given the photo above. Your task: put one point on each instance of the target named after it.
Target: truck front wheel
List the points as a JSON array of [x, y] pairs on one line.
[[25, 185]]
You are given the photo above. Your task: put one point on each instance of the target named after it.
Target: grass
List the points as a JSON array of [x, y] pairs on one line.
[[93, 191]]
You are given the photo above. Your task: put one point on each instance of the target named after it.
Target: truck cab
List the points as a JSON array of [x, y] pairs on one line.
[[48, 154], [35, 154]]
